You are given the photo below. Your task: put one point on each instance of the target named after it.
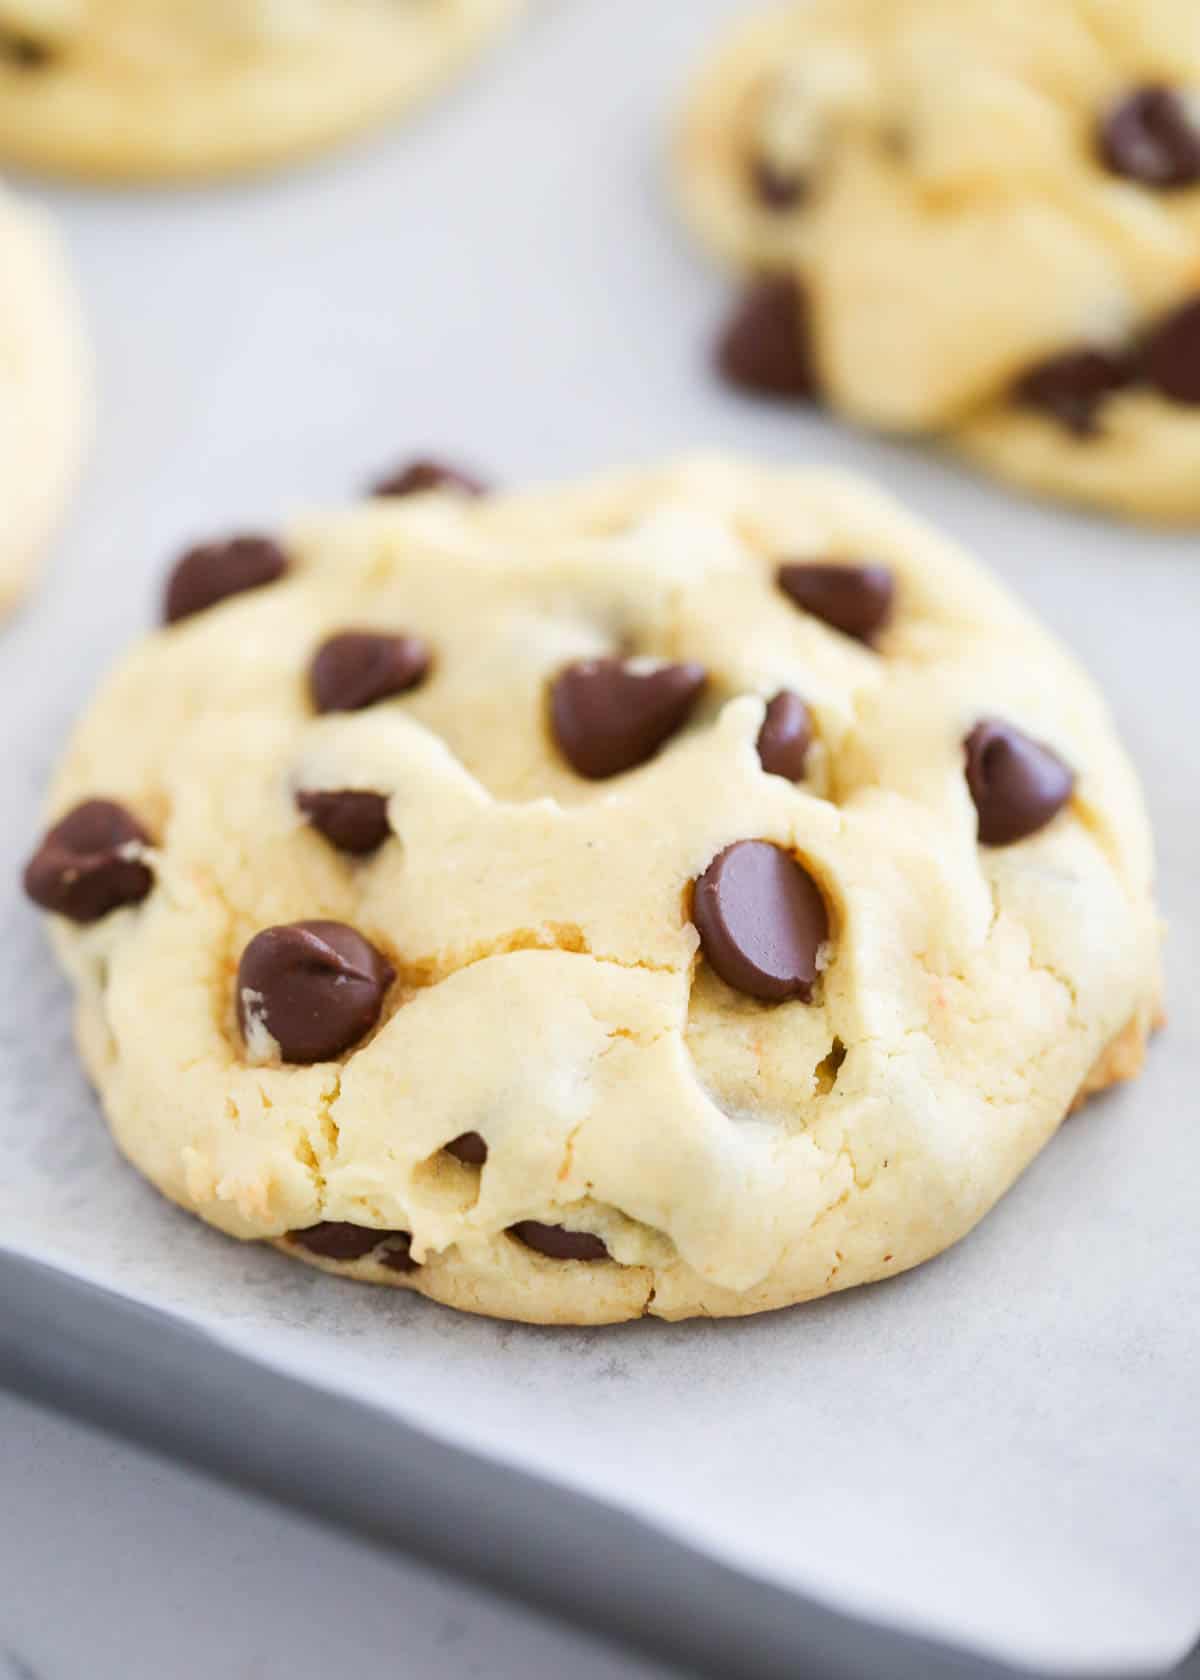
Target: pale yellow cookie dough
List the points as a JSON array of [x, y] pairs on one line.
[[44, 384], [139, 89], [732, 1155], [944, 200]]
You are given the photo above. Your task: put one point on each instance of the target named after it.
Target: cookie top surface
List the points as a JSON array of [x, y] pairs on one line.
[[465, 877], [993, 215], [145, 88], [44, 390]]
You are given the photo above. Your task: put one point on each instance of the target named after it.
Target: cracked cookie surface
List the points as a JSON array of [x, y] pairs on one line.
[[759, 1001], [138, 89], [44, 383], [980, 222]]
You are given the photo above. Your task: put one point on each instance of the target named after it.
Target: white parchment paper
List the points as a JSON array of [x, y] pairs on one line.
[[1001, 1447]]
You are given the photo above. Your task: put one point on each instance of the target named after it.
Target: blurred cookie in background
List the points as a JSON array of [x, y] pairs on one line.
[[975, 222], [144, 89], [44, 383]]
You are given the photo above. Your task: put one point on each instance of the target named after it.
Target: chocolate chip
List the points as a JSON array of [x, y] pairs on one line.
[[557, 1243], [610, 715], [334, 1240], [316, 987], [397, 1256], [214, 571], [1073, 387], [776, 188], [1152, 137], [84, 867], [357, 668], [416, 477], [786, 736], [1171, 355], [766, 345], [354, 822], [857, 600], [24, 52], [470, 1149], [1018, 784], [762, 921]]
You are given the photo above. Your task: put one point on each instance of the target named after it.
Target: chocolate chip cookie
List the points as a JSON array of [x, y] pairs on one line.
[[44, 385], [138, 89], [971, 221], [689, 892]]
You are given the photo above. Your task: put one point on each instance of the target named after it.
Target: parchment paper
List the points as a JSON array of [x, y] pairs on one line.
[[1000, 1447]]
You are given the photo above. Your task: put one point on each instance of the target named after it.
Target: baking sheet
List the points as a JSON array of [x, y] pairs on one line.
[[999, 1448]]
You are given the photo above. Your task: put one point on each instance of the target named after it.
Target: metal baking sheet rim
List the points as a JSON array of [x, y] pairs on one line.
[[136, 1372]]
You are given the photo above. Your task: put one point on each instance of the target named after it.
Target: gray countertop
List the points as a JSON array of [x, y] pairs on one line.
[[117, 1566]]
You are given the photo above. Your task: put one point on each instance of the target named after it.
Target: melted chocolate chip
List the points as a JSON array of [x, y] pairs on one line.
[[786, 736], [24, 52], [1171, 355], [1073, 387], [610, 715], [316, 987], [1018, 784], [1152, 137], [354, 822], [334, 1240], [84, 867], [357, 668], [470, 1149], [214, 571], [766, 345], [557, 1243], [762, 921], [416, 477], [397, 1256], [776, 188], [857, 600]]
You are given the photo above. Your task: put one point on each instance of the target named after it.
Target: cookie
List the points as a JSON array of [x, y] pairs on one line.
[[145, 89], [975, 222], [690, 892], [43, 391]]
